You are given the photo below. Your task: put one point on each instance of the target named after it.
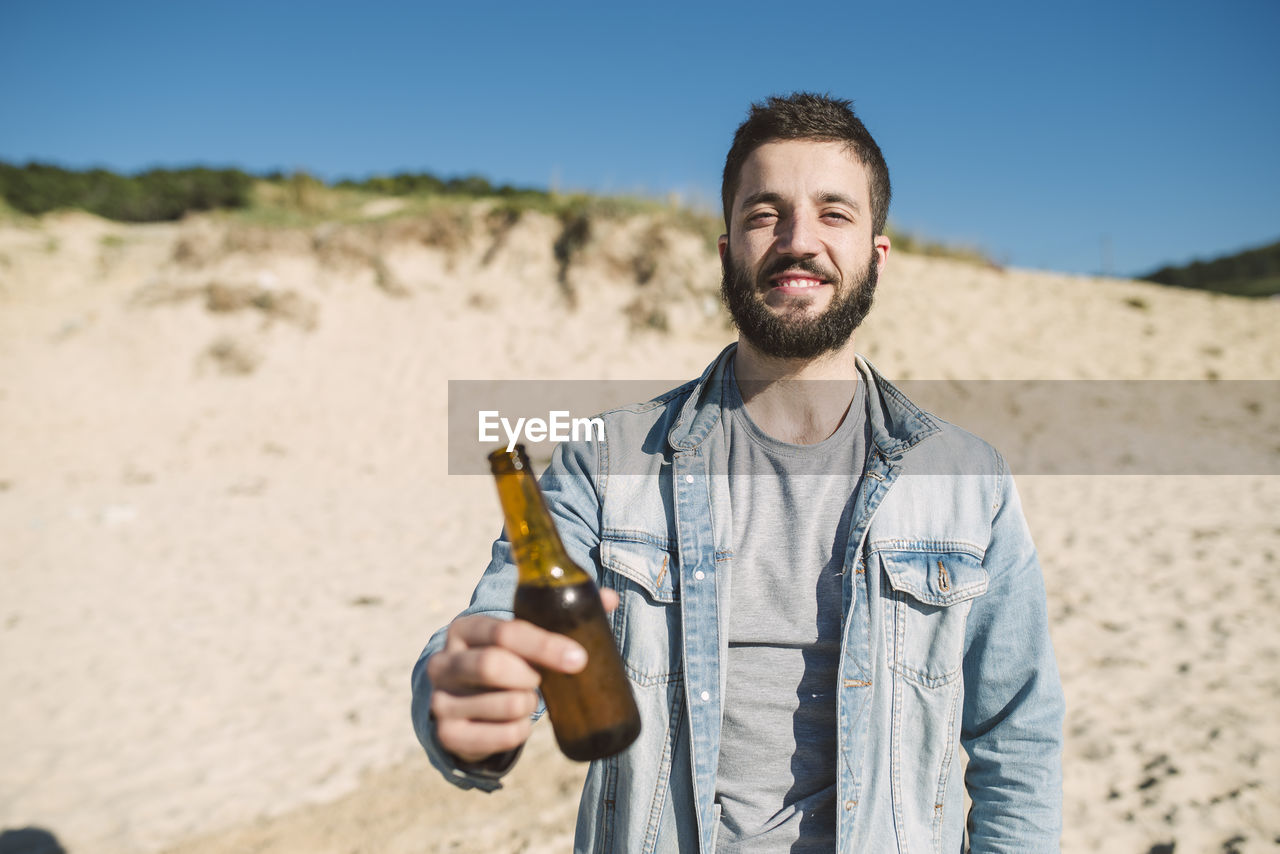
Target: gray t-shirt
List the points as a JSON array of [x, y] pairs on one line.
[[792, 508]]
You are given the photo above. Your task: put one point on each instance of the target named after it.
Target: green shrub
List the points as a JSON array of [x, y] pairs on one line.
[[426, 184], [152, 196], [1254, 272]]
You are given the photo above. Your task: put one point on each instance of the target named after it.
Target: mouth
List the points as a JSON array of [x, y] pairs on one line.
[[789, 282]]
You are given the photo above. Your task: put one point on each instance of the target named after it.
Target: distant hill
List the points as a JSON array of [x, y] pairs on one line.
[[1252, 273]]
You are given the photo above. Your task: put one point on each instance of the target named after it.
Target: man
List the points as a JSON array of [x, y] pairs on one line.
[[821, 590]]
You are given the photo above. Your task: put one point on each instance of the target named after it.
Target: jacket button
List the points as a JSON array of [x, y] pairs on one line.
[[688, 478], [848, 805], [699, 575], [706, 695]]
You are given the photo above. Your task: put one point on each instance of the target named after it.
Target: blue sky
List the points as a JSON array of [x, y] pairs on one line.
[[1082, 137]]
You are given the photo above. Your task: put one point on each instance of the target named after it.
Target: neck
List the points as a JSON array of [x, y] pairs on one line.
[[800, 401]]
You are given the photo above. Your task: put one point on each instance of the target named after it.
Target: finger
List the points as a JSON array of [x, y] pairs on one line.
[[453, 639], [539, 647], [486, 668], [609, 597], [472, 741], [491, 706]]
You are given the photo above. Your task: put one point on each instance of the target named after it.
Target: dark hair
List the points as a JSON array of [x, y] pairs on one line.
[[804, 115]]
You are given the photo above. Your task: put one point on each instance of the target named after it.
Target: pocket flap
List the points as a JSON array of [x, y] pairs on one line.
[[644, 563], [935, 578]]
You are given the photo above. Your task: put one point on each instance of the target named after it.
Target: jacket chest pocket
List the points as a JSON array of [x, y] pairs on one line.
[[647, 622], [925, 627]]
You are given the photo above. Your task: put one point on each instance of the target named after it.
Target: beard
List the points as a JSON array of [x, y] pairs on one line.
[[793, 334]]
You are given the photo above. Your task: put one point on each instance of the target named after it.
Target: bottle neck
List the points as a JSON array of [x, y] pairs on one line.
[[539, 553]]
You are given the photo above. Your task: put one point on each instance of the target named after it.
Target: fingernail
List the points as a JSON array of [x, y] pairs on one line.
[[575, 658]]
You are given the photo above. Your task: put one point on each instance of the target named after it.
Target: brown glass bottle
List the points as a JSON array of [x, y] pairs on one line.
[[593, 712]]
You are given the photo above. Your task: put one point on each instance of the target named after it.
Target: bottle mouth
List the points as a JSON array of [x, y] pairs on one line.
[[503, 461]]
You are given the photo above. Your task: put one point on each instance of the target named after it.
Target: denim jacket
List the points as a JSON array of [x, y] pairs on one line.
[[946, 639]]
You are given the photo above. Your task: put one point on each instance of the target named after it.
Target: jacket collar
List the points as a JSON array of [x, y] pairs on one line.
[[897, 424]]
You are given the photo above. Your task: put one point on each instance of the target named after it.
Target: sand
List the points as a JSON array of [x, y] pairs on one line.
[[227, 525]]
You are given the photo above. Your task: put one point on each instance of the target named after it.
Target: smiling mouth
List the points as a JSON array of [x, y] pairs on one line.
[[797, 282]]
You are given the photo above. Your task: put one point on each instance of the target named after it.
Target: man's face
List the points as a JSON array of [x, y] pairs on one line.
[[800, 263]]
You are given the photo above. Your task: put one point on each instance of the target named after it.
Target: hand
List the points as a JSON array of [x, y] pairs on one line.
[[484, 681]]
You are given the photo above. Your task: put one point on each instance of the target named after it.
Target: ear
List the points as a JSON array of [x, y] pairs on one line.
[[722, 244], [880, 246]]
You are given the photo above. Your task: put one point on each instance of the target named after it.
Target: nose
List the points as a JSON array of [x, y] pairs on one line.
[[797, 235]]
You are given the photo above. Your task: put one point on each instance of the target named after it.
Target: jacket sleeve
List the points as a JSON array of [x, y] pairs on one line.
[[569, 486], [1013, 702]]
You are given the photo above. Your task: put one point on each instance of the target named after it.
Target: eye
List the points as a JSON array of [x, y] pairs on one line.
[[761, 216], [839, 216]]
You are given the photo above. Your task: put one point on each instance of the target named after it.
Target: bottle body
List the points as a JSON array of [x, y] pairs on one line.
[[593, 712]]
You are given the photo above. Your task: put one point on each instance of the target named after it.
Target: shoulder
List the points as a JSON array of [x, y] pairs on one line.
[[953, 450], [633, 437], [642, 429], [653, 409], [923, 442]]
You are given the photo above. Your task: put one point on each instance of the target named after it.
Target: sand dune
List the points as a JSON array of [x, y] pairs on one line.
[[227, 524]]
